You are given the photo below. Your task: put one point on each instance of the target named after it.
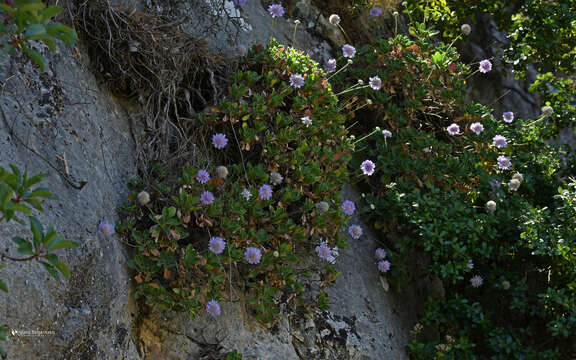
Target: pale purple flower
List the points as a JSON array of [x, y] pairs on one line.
[[453, 129], [240, 3], [276, 10], [470, 264], [265, 192], [106, 228], [206, 198], [504, 163], [367, 167], [276, 178], [375, 11], [348, 207], [246, 194], [384, 266], [216, 245], [508, 116], [203, 176], [477, 128], [213, 308], [476, 281], [495, 184], [219, 141], [253, 255], [349, 51], [380, 254], [355, 231], [324, 251], [306, 121], [331, 65], [499, 141], [297, 80], [387, 134], [375, 83], [485, 66]]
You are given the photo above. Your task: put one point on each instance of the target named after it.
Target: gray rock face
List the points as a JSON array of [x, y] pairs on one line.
[[60, 123]]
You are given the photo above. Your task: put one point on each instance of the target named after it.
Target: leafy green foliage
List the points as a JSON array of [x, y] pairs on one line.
[[19, 194], [261, 118], [429, 195], [25, 21]]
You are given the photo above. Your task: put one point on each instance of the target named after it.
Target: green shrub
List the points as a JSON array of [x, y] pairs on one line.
[[26, 21], [19, 195], [508, 273], [262, 120]]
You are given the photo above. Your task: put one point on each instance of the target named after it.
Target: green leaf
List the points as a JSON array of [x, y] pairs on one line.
[[3, 286], [35, 32], [37, 57], [37, 231], [63, 269], [24, 246], [35, 6], [50, 12], [51, 269], [58, 243]]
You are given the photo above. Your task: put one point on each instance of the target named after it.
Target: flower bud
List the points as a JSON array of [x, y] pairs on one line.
[[322, 207], [518, 177], [222, 172], [505, 284], [143, 198], [491, 206], [547, 110], [514, 184], [466, 29], [368, 101], [334, 19], [297, 22]]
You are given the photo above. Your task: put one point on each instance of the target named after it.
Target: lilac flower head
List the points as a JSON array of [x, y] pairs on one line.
[[348, 207], [495, 184], [375, 11], [276, 10], [349, 51], [499, 141], [485, 66], [384, 266], [375, 83], [367, 167], [306, 121], [324, 251], [387, 133], [470, 264], [219, 141], [203, 176], [297, 80], [253, 255], [380, 254], [106, 228], [246, 194], [206, 198], [323, 207], [453, 129], [508, 116], [504, 163], [265, 192], [477, 128], [476, 281], [239, 3], [216, 245], [213, 308], [355, 231], [276, 178], [331, 65]]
